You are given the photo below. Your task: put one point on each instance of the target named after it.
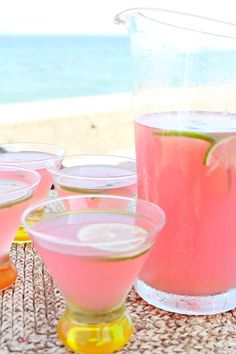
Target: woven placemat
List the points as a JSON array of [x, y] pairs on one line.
[[30, 309]]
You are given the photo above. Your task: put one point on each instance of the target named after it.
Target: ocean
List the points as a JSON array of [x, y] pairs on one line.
[[35, 68]]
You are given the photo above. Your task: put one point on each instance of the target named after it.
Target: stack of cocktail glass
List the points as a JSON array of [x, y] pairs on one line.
[[93, 239]]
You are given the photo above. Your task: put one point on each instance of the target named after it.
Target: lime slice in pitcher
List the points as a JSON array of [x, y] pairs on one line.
[[187, 134], [188, 147], [193, 150], [222, 153]]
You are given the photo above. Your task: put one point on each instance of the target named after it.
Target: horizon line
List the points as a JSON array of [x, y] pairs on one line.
[[63, 34]]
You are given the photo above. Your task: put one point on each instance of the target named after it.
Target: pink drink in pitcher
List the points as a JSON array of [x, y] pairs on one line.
[[184, 110], [192, 176]]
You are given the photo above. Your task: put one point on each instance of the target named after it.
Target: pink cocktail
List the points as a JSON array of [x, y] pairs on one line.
[[17, 186], [192, 176], [94, 255], [100, 174], [35, 156]]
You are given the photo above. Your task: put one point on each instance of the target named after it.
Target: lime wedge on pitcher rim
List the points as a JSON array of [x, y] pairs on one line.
[[114, 237], [222, 152], [187, 134]]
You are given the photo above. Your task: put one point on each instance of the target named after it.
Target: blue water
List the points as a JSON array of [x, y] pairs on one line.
[[36, 68]]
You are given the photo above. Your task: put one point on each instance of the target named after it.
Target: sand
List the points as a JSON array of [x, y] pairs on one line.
[[95, 133], [82, 125], [102, 124]]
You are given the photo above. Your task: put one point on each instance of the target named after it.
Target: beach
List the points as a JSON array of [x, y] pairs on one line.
[[103, 123], [83, 125]]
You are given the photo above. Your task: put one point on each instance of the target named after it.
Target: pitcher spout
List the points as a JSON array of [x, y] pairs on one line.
[[175, 19]]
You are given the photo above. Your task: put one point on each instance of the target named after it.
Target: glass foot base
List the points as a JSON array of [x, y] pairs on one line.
[[8, 273], [96, 334], [187, 305], [22, 235]]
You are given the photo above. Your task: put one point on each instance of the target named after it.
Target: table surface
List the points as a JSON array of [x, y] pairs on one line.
[[30, 309]]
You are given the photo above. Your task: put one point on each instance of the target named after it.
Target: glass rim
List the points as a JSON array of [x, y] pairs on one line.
[[56, 172], [13, 168], [58, 156], [120, 18], [58, 241]]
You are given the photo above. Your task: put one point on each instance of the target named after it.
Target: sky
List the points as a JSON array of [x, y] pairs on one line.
[[92, 16]]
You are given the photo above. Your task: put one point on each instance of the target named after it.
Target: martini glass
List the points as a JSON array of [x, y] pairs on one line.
[[33, 156], [96, 174], [94, 256], [16, 190]]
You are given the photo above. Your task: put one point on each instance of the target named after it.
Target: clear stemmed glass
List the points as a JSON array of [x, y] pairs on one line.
[[34, 156], [97, 174], [94, 255], [17, 186]]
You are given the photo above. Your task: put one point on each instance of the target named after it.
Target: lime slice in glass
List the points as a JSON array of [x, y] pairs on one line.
[[115, 237]]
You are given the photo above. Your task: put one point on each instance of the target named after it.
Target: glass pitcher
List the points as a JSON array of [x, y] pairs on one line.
[[185, 128]]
